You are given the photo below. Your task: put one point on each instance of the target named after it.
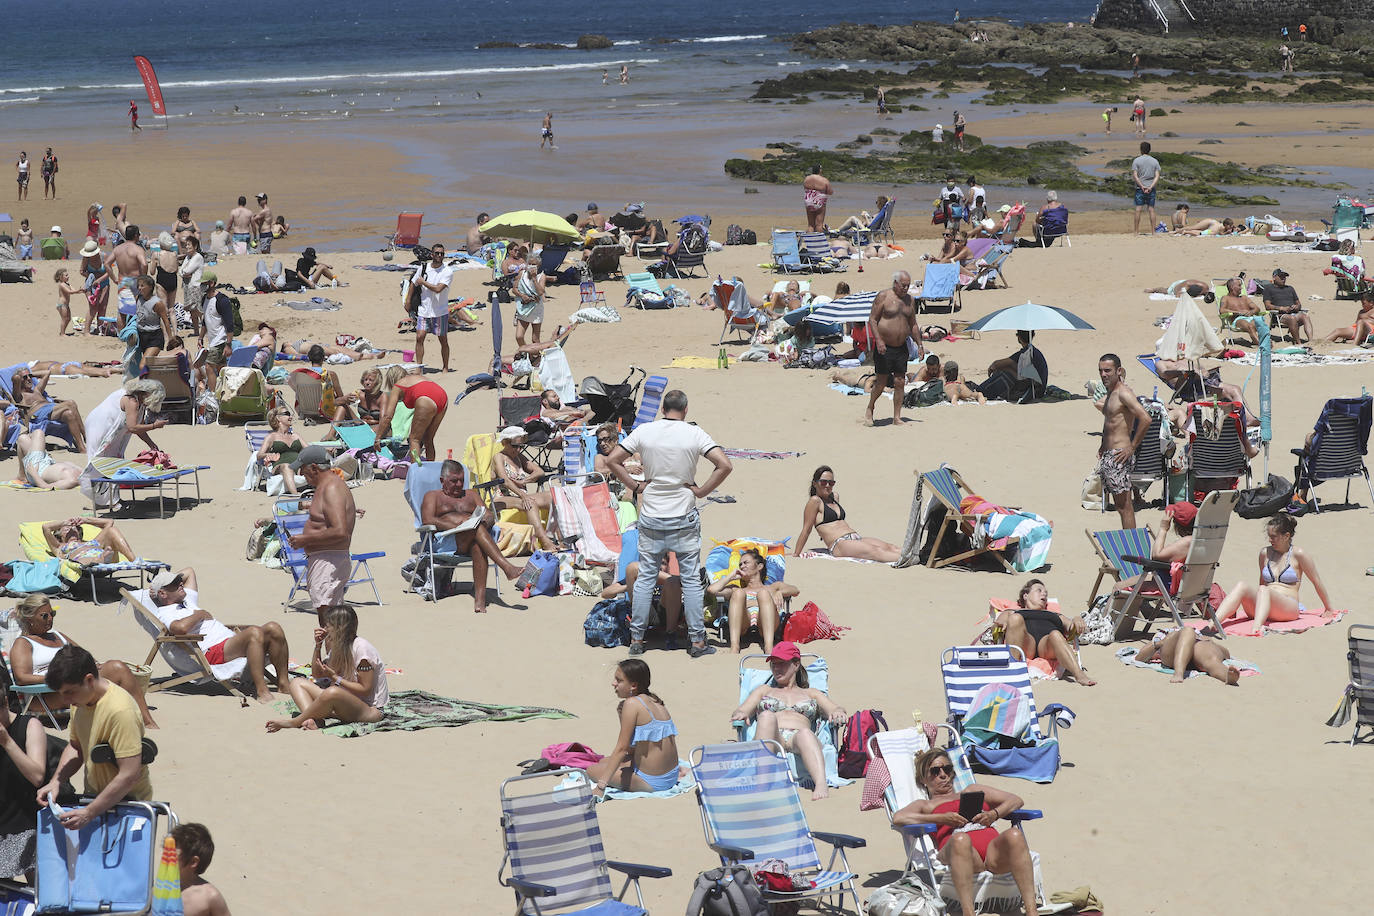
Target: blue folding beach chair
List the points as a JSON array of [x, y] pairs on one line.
[[554, 857], [1113, 546], [292, 521], [787, 251], [751, 677], [880, 226], [650, 401], [429, 574], [940, 284], [750, 810], [108, 866], [40, 419], [968, 669]]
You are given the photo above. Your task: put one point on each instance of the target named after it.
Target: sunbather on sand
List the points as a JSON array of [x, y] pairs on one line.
[[65, 540], [1281, 570], [519, 477], [1362, 330], [644, 758], [824, 513], [302, 348], [1208, 226], [1193, 288], [39, 467], [1042, 633], [451, 506], [842, 248], [754, 602], [1181, 648], [957, 389], [348, 677], [57, 367]]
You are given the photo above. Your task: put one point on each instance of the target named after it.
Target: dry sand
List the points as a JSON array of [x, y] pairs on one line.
[[1170, 797]]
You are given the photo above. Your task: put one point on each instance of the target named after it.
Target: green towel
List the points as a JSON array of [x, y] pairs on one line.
[[411, 710]]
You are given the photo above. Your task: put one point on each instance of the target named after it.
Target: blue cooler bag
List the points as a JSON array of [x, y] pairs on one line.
[[111, 868]]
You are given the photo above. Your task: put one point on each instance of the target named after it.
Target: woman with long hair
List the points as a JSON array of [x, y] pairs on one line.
[[645, 756], [824, 513], [1281, 570], [348, 679], [126, 412], [754, 601]]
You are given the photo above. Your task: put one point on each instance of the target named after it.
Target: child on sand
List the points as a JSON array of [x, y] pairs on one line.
[[65, 291], [195, 849], [24, 241]]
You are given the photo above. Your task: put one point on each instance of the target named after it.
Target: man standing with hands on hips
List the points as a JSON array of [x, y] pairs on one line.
[[669, 450], [433, 279]]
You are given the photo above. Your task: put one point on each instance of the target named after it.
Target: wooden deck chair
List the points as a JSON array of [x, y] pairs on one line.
[[174, 372], [182, 654], [407, 234], [949, 489], [1111, 547], [1338, 447], [650, 401], [940, 284], [1149, 597]]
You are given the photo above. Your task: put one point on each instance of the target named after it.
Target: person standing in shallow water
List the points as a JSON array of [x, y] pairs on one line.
[[133, 115], [546, 131]]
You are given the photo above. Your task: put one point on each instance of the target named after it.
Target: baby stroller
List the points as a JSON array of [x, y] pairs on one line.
[[612, 402]]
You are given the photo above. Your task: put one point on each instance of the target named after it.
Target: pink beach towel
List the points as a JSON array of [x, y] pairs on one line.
[[1307, 620]]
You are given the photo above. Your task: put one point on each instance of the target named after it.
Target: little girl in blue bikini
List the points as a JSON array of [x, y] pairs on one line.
[[645, 758]]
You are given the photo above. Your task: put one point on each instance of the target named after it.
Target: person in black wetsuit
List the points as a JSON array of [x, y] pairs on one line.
[[1042, 633]]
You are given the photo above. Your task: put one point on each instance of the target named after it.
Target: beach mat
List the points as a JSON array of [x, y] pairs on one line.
[[412, 710], [754, 454], [1307, 620]]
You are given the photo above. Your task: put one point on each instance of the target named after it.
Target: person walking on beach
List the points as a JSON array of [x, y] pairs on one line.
[[1145, 173], [546, 131], [23, 167], [1135, 66], [669, 449], [816, 191], [433, 279], [1285, 59], [1138, 115], [890, 323], [49, 170], [133, 115], [1124, 425], [605, 77], [959, 130], [1107, 117]]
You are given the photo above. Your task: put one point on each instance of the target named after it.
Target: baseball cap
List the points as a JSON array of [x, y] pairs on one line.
[[1005, 208], [208, 277], [1182, 512], [591, 208], [511, 433], [785, 652], [1280, 272], [311, 454], [164, 579], [260, 195]]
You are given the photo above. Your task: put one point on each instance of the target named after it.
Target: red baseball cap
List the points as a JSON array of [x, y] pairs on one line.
[[1182, 512], [785, 652]]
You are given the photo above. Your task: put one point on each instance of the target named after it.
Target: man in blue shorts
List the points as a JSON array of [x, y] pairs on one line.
[[1145, 174]]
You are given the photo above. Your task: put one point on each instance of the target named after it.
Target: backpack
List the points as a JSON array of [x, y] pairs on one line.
[[694, 238], [929, 394], [726, 891], [608, 623], [853, 757], [748, 237], [235, 307], [733, 232]]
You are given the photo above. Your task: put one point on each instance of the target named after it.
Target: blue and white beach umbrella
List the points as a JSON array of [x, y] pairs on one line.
[[855, 307], [1030, 316]]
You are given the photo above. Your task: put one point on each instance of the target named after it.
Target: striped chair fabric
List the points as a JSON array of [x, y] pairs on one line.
[[968, 669], [1361, 657], [1119, 543], [651, 400], [1219, 457], [554, 838]]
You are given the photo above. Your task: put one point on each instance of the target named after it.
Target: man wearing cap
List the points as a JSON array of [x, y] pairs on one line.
[[176, 603], [1124, 425], [1282, 300], [593, 220], [241, 226], [219, 328], [433, 279], [262, 223], [449, 508], [219, 239], [328, 533], [55, 239], [669, 450]]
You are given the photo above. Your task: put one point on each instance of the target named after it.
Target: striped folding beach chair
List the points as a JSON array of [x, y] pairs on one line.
[[554, 857], [1216, 455], [750, 810], [968, 669], [1112, 547], [1338, 447], [650, 401], [949, 489], [115, 475], [1358, 697], [817, 254], [293, 559]]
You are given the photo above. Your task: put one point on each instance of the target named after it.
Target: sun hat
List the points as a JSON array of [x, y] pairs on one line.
[[311, 454], [57, 229], [219, 224], [1005, 208], [785, 652], [591, 208], [90, 249], [511, 433], [261, 195], [164, 579]]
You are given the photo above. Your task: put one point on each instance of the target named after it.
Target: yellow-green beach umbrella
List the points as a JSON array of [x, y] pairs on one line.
[[530, 226]]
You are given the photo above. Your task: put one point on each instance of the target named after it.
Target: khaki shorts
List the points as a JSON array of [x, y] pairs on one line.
[[326, 577], [215, 357]]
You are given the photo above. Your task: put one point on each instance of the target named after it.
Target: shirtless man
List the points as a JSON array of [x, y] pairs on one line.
[[1124, 424], [546, 131], [551, 407], [817, 190], [593, 220], [127, 261], [1245, 310], [475, 239], [240, 226], [328, 532], [450, 506], [64, 540], [31, 397], [262, 224], [891, 322]]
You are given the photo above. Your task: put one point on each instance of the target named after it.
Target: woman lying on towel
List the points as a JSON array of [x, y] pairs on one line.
[[785, 710], [39, 641], [1181, 648], [1281, 568], [970, 846], [1042, 633], [754, 601], [824, 513], [645, 756], [350, 686]]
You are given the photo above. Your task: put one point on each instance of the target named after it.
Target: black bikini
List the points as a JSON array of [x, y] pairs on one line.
[[1041, 623], [829, 514]]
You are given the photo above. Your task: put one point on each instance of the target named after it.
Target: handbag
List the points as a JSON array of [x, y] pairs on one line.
[[904, 897], [105, 866]]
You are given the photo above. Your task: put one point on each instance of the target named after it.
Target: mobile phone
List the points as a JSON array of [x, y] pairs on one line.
[[970, 805]]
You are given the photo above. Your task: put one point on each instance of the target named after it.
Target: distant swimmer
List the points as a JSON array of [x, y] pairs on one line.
[[604, 77], [624, 74], [546, 132], [133, 115]]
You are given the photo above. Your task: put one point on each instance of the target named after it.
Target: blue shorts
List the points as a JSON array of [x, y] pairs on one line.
[[434, 325], [1144, 198]]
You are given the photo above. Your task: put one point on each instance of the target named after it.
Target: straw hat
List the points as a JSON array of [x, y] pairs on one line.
[[90, 249]]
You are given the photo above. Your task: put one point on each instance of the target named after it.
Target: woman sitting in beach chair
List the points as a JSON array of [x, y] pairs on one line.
[[1359, 332], [519, 478], [824, 513], [754, 601], [1041, 632], [65, 541], [281, 447], [366, 403]]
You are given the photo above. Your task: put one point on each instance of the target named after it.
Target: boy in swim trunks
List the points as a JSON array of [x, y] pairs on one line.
[[1124, 425], [23, 241]]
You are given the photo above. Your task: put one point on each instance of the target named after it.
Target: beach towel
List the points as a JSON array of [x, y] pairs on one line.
[[685, 783], [402, 267], [575, 522], [821, 553], [1240, 626], [694, 362], [411, 710], [24, 485], [595, 314], [313, 304], [996, 524], [1127, 656], [1285, 360], [556, 375], [754, 454]]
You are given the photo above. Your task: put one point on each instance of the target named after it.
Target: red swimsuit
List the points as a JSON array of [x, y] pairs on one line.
[[981, 837], [425, 389]]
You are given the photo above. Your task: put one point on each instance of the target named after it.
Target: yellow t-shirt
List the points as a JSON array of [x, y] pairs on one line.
[[116, 721]]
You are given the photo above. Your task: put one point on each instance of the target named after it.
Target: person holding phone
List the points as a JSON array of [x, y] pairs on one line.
[[348, 678], [966, 840]]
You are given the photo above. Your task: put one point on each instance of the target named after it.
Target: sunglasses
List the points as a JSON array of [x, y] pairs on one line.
[[941, 770], [829, 483], [47, 615]]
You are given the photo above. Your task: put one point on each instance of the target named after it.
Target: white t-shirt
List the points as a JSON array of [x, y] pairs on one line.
[[381, 693], [953, 195], [211, 631], [191, 267], [669, 451], [23, 167], [216, 331], [432, 304]]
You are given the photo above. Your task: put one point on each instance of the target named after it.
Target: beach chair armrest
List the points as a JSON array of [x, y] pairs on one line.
[[530, 889], [374, 555], [915, 829], [732, 853], [1147, 563], [31, 689], [1300, 452], [1025, 814], [489, 485], [640, 871], [840, 840]]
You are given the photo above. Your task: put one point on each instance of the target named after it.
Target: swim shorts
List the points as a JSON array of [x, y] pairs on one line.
[[326, 577], [38, 462], [265, 243], [147, 340], [437, 326], [215, 654], [1144, 198], [1116, 475], [892, 361]]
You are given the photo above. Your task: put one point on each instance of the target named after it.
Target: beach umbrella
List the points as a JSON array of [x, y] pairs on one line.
[[856, 307], [1190, 335], [1031, 316], [531, 226], [167, 882], [1266, 349]]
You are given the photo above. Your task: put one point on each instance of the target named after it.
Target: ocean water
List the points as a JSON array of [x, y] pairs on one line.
[[312, 59]]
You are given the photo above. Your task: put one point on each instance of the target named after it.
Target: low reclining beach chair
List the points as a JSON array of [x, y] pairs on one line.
[[949, 489], [109, 866], [554, 858], [993, 272], [1149, 597], [754, 673], [650, 401], [787, 251], [588, 296], [604, 261], [741, 318], [642, 290], [122, 475], [309, 392], [1216, 450], [750, 811], [35, 549], [242, 392], [584, 512], [1340, 442], [966, 670], [290, 520], [995, 893], [879, 227], [1358, 696], [183, 654], [1112, 547], [940, 285], [40, 419], [691, 251], [817, 255]]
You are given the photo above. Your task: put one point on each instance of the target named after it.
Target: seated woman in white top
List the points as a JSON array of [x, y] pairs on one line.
[[350, 686], [39, 641]]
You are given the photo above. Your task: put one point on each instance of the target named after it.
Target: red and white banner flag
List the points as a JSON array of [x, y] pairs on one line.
[[145, 70]]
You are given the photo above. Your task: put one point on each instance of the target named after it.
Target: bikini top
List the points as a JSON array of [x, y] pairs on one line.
[[1289, 576], [806, 707], [831, 512], [654, 729]]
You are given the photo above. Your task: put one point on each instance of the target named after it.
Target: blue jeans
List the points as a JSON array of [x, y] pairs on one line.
[[657, 536]]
